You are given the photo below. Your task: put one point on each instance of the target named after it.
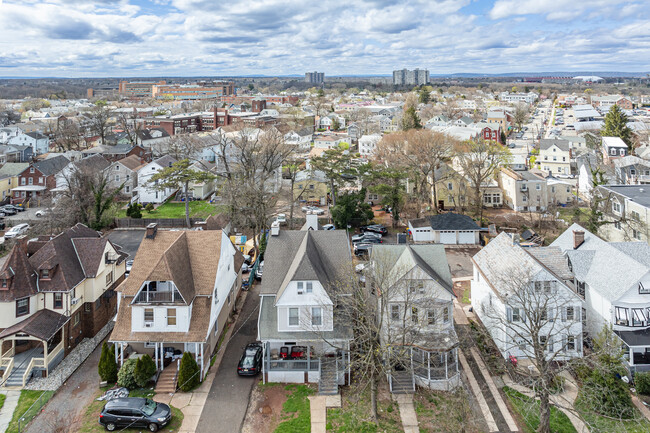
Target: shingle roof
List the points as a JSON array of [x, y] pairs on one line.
[[13, 168], [446, 221], [610, 269], [165, 161], [52, 166], [131, 162], [95, 163], [547, 143], [20, 272], [43, 324]]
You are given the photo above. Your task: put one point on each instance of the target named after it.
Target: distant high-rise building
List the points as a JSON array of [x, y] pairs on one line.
[[315, 77], [416, 77]]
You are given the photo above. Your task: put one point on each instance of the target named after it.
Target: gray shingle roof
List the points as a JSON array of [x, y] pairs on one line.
[[610, 269], [547, 143], [446, 221], [637, 193], [52, 166]]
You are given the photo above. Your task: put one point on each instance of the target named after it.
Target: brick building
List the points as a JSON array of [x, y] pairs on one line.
[[202, 90], [37, 179], [138, 89]]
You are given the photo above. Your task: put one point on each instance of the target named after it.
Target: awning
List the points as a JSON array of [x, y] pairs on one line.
[[43, 325], [30, 188], [635, 338]]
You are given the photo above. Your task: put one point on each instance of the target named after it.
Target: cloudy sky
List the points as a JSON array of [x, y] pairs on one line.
[[130, 38]]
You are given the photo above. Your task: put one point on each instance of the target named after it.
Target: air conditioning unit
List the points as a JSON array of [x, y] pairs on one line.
[[75, 301], [148, 324], [300, 292]]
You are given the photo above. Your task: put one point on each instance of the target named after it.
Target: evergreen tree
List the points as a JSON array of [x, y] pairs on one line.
[[352, 209], [616, 126], [107, 366], [411, 120], [125, 376], [188, 373], [145, 367]]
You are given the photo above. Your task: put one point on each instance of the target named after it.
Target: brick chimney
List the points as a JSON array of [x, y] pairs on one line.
[[578, 238], [152, 229]]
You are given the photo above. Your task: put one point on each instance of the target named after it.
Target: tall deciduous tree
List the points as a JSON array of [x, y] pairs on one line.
[[180, 175], [616, 126], [390, 182], [520, 115], [98, 120]]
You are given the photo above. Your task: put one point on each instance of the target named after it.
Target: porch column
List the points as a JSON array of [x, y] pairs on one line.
[[456, 358], [631, 355], [116, 354], [121, 354], [155, 354], [446, 367], [13, 346], [308, 357], [263, 362], [162, 355], [201, 351], [47, 370], [429, 365]]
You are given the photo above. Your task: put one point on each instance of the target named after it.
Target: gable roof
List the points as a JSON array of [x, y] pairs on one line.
[[52, 166], [610, 268], [446, 221], [131, 162], [165, 161], [94, 163], [188, 258], [321, 255], [548, 143], [13, 168], [20, 271]]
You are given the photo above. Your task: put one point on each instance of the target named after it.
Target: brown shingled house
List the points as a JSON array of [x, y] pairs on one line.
[[179, 294], [54, 291]]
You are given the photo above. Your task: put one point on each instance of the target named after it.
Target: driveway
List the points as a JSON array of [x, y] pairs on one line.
[[129, 240], [69, 404], [228, 398]]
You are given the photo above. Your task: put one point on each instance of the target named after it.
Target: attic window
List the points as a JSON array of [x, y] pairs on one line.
[[642, 290], [4, 283], [45, 274], [31, 169]]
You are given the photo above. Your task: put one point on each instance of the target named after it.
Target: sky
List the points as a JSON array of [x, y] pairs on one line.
[[138, 38]]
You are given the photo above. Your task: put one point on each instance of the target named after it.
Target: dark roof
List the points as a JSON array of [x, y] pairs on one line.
[[217, 222], [20, 272], [639, 337], [446, 221], [43, 324], [546, 143], [165, 161], [36, 135], [94, 163], [52, 166]]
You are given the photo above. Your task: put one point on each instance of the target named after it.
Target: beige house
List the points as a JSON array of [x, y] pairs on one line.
[[311, 186], [453, 191], [554, 157], [627, 207], [203, 190], [527, 190]]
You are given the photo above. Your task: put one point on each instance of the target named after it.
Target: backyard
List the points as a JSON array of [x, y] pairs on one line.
[[198, 209], [602, 424], [526, 410], [26, 404]]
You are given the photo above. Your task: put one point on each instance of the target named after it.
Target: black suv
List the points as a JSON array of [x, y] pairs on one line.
[[134, 412], [250, 362], [375, 228]]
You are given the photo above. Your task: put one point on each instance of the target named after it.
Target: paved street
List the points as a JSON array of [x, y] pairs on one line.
[[129, 240], [227, 401]]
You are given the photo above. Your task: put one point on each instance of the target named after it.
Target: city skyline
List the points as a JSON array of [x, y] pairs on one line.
[[137, 38]]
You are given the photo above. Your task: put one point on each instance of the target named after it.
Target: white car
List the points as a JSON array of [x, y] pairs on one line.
[[313, 209], [281, 218], [16, 231], [42, 212]]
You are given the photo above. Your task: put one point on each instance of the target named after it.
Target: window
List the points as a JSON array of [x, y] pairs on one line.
[[58, 300], [4, 283], [394, 312], [109, 278], [538, 186], [301, 287], [88, 307], [22, 307], [516, 315], [148, 315], [617, 225], [45, 274], [310, 287], [31, 181], [23, 181], [636, 234], [445, 314], [635, 215], [171, 317], [31, 169], [416, 286], [543, 315], [542, 340], [571, 343], [616, 207], [76, 318], [431, 317], [117, 178], [414, 314], [622, 317], [570, 314], [638, 317], [316, 316], [293, 316], [450, 186]]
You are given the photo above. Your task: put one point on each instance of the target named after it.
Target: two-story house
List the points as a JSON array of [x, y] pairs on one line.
[[90, 165], [554, 156], [417, 308], [9, 176], [182, 287], [632, 170], [37, 179], [125, 172], [39, 143], [518, 292], [613, 148], [305, 337], [368, 144], [311, 186], [614, 279], [626, 208], [300, 138], [146, 191], [55, 291]]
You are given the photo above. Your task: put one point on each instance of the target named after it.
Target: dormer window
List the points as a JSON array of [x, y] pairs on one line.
[[45, 274], [4, 283], [31, 169], [642, 289]]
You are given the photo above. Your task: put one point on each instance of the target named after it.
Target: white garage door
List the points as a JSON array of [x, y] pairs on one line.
[[466, 237], [447, 237]]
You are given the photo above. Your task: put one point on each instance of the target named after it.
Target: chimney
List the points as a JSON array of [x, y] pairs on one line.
[[151, 230], [312, 221], [275, 228], [22, 241], [578, 238]]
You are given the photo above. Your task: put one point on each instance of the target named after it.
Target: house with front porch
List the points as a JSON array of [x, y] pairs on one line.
[[37, 179], [54, 292], [303, 333], [181, 290], [614, 280], [416, 301]]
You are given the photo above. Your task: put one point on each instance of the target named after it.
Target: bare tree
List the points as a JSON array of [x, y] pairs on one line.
[[451, 109], [129, 124], [293, 166], [68, 136], [99, 119], [520, 115]]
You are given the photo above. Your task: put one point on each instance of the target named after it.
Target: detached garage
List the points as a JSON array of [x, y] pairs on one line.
[[448, 228]]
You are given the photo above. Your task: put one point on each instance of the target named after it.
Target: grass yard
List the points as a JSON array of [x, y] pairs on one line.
[[2, 400], [527, 410], [25, 402], [442, 412], [569, 214], [295, 411], [354, 416], [198, 209], [601, 424], [90, 424]]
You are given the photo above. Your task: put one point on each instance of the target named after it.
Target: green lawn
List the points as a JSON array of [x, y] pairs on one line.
[[354, 416], [2, 400], [295, 411], [601, 424], [528, 411], [25, 402], [90, 424], [198, 209], [569, 214]]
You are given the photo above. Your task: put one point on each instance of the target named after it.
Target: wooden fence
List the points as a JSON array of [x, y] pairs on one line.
[[162, 222]]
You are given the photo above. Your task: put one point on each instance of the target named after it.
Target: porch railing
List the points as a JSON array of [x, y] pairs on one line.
[[51, 355], [298, 365], [35, 362], [153, 297], [8, 364]]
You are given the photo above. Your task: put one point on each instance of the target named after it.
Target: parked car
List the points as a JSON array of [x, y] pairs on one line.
[[281, 218], [259, 271], [8, 210], [17, 230], [357, 238], [134, 412], [329, 227], [129, 265], [16, 208], [250, 362], [375, 228], [367, 239], [362, 249], [42, 212], [313, 209]]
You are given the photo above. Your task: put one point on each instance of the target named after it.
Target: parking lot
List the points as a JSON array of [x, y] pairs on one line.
[[129, 240]]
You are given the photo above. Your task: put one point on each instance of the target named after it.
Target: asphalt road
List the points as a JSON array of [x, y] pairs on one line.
[[129, 240], [229, 395]]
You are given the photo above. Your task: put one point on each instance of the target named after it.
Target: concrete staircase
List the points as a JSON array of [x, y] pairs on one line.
[[327, 384], [167, 380], [402, 382], [15, 379]]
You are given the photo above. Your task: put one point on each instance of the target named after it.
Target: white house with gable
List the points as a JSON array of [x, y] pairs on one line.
[[146, 191]]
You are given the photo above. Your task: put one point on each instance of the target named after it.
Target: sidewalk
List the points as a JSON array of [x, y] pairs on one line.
[[407, 412], [318, 405], [7, 411]]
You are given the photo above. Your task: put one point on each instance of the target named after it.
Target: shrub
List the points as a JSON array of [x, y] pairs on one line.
[[145, 367], [125, 376], [188, 373], [607, 395], [136, 211], [149, 207], [107, 366], [642, 382]]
